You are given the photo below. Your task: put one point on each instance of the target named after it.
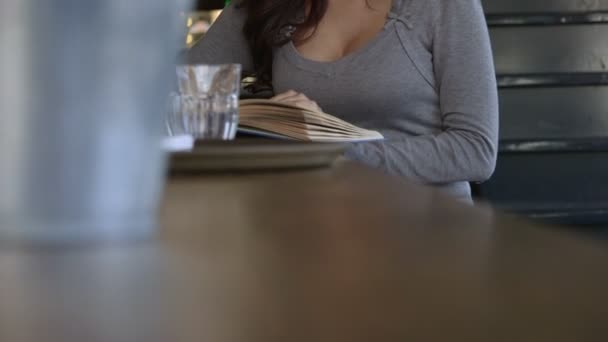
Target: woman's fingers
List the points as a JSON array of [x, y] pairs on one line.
[[306, 104], [287, 94], [297, 99]]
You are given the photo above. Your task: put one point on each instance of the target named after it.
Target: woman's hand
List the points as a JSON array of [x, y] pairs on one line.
[[297, 99]]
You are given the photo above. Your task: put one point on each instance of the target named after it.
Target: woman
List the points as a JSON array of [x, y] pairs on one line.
[[418, 71]]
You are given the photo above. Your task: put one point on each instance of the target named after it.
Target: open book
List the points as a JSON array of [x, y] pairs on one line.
[[278, 120]]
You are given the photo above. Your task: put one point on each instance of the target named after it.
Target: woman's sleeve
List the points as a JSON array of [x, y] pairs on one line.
[[466, 148], [224, 42]]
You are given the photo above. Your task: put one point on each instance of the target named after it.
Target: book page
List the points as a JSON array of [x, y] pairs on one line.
[[299, 123]]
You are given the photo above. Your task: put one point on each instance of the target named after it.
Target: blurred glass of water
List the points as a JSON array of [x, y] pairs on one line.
[[81, 117], [206, 106]]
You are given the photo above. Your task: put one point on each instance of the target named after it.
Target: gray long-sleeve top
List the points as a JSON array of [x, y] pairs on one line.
[[426, 82]]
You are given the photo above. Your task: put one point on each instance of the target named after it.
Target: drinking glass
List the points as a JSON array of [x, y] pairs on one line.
[[206, 105]]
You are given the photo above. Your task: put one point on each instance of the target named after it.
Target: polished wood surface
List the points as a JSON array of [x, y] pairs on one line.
[[341, 254]]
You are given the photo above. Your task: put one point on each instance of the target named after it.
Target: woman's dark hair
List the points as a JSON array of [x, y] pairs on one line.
[[273, 23]]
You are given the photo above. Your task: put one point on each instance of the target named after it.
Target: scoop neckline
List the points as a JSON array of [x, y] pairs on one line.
[[298, 58]]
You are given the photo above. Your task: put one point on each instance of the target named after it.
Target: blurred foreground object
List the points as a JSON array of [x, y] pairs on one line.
[[81, 102]]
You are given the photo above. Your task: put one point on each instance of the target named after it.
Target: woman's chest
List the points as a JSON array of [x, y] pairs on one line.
[[346, 26], [373, 83]]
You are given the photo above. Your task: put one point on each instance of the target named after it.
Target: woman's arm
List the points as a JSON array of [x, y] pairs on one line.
[[466, 148], [224, 42]]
